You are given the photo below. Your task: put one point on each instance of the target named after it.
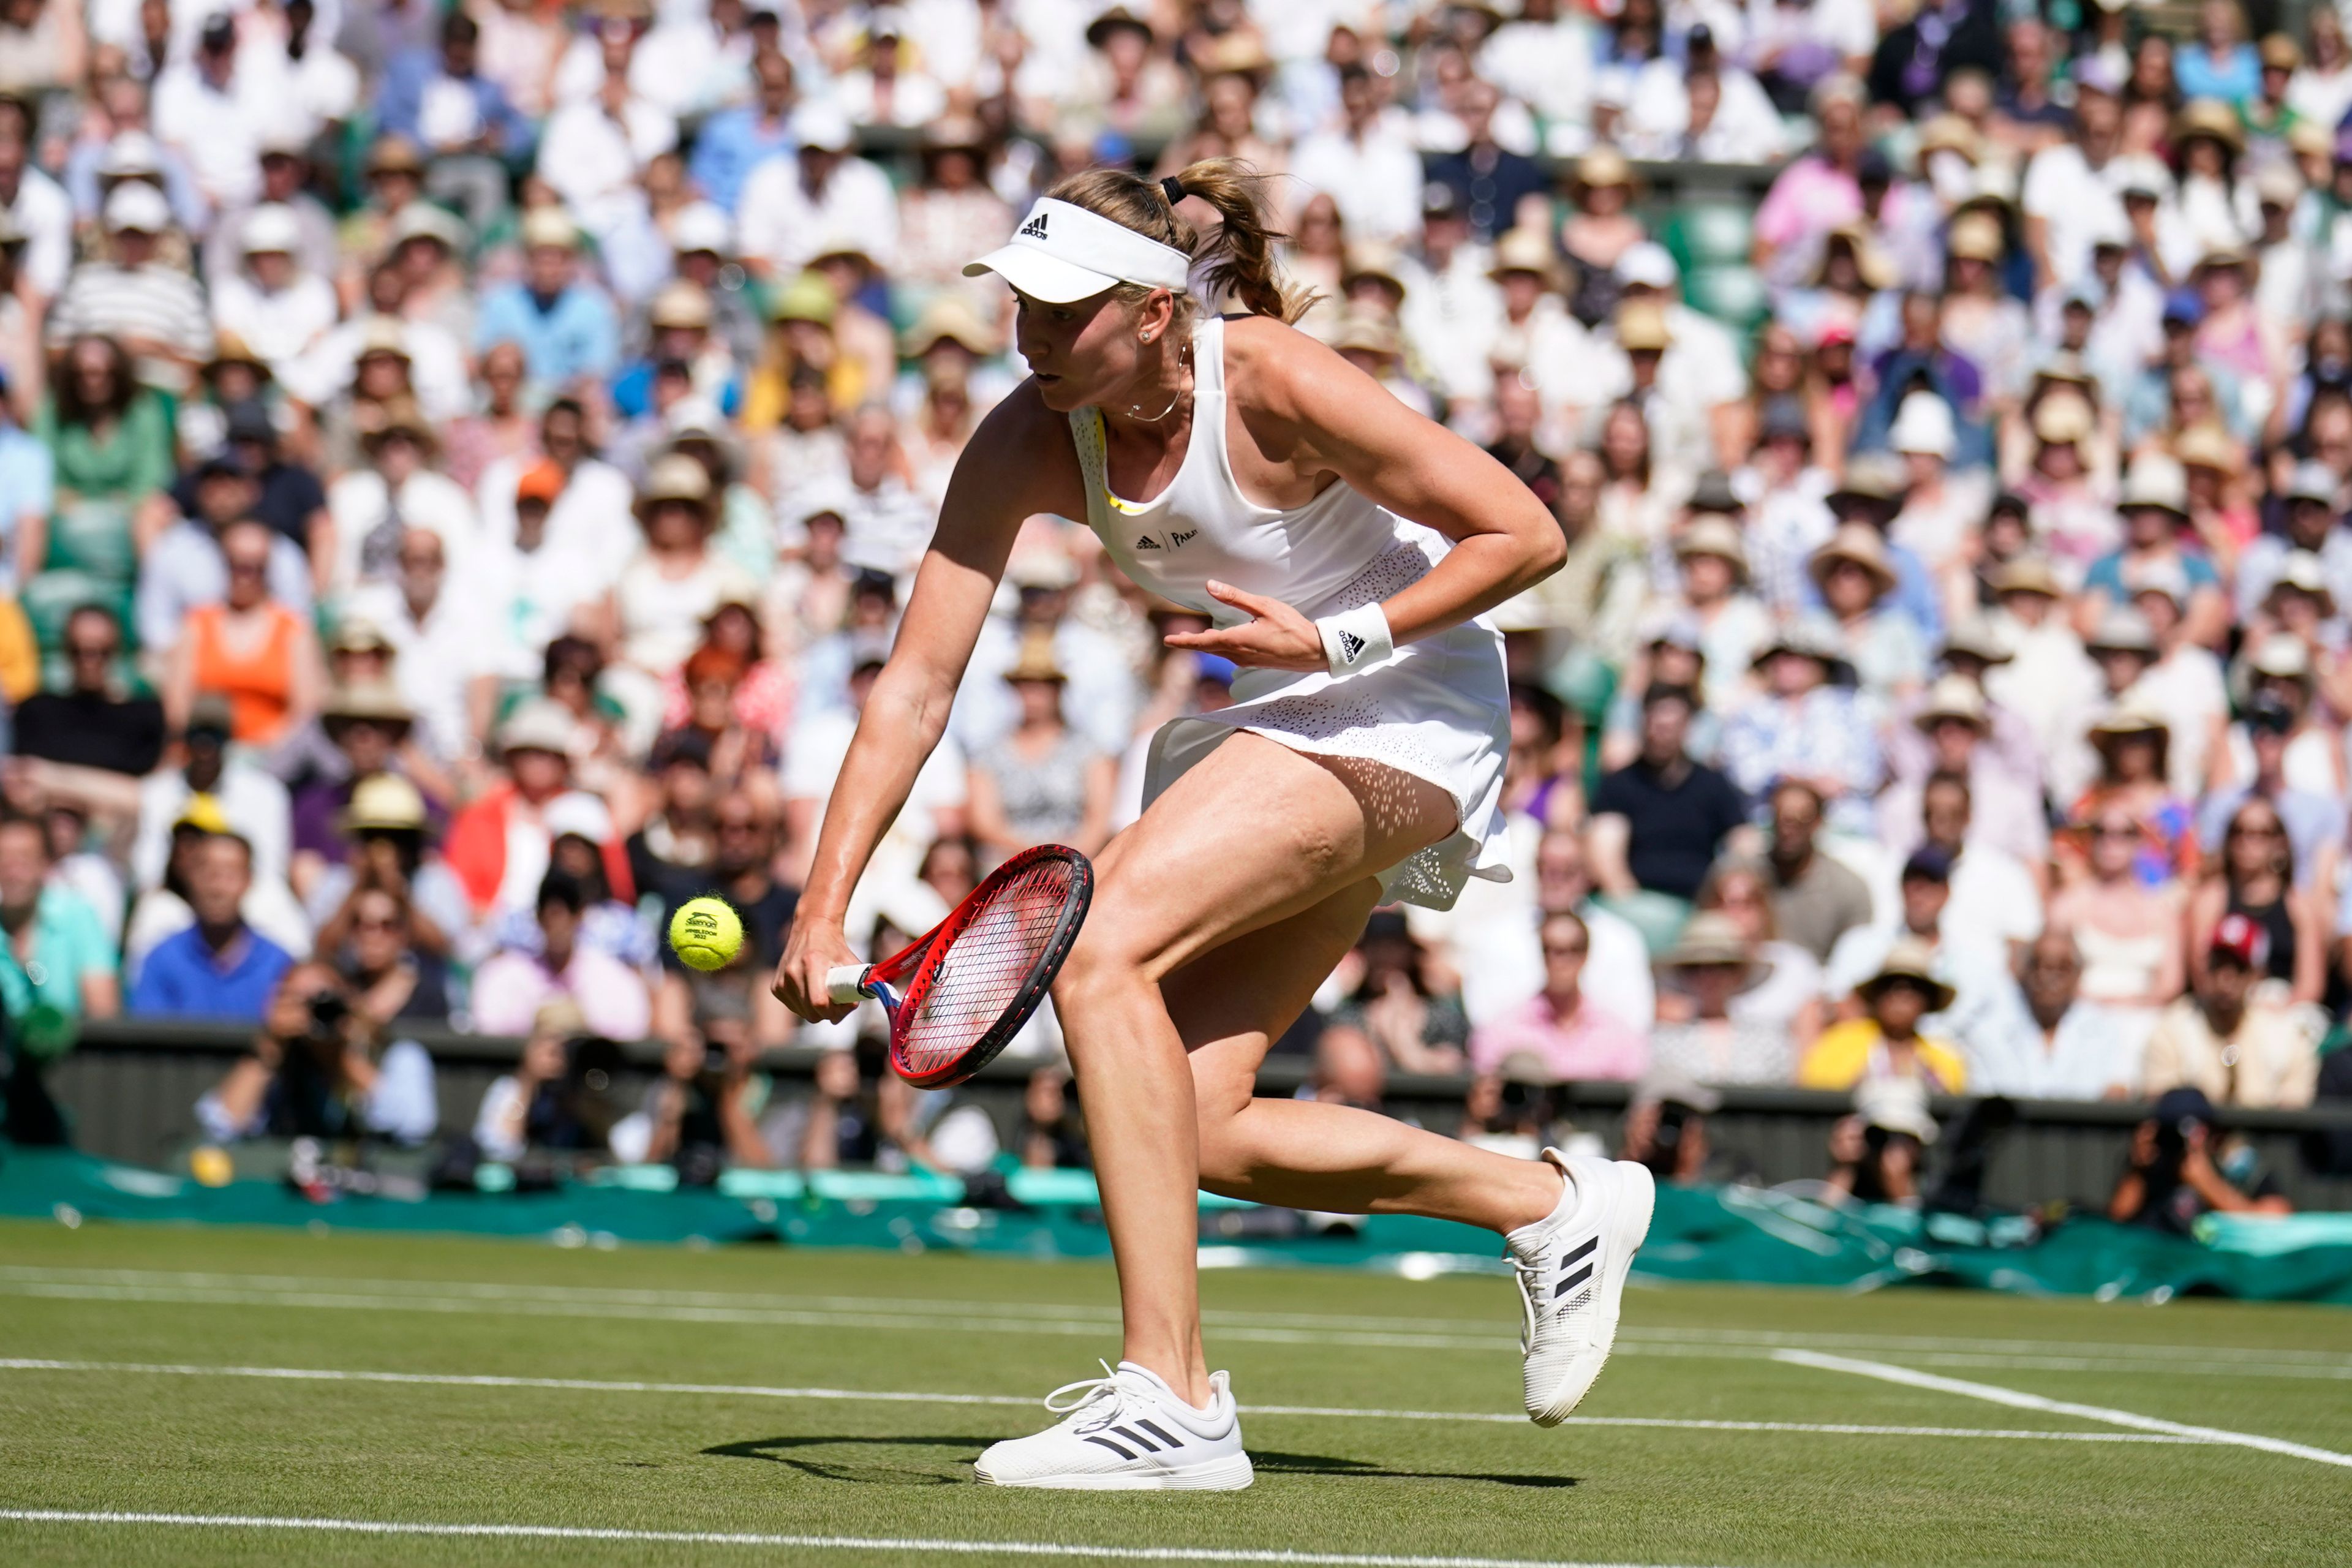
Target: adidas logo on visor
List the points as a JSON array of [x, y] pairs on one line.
[[1035, 229]]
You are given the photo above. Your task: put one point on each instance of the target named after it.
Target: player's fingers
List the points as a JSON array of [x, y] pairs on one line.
[[1240, 599]]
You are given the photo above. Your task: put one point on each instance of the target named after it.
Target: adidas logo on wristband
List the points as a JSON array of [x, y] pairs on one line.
[[1351, 647]]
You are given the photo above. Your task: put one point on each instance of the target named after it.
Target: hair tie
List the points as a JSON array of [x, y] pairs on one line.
[[1174, 189]]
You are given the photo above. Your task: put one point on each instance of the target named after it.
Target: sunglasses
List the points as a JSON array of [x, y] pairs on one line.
[[1564, 950]]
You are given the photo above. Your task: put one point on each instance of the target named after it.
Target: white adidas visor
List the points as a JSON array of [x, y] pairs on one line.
[[1062, 253]]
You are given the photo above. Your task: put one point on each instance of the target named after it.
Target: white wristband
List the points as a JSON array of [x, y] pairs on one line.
[[1356, 640]]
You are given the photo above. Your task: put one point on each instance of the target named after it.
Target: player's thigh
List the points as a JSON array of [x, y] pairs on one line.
[[1250, 836], [1230, 1003]]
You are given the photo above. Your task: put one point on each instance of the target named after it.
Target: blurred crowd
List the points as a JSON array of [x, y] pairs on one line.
[[461, 467]]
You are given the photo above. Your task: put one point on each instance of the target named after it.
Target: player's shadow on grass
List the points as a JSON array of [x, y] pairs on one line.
[[796, 1453], [1268, 1464]]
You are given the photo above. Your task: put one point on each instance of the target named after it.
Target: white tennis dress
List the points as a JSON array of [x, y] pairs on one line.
[[1440, 710]]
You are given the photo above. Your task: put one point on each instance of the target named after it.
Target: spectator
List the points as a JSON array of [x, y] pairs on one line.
[[1802, 728], [253, 652], [2255, 878], [1659, 822], [110, 444], [2128, 931], [2036, 1038], [561, 1097], [1052, 1137], [154, 309], [1043, 782], [1665, 1128], [187, 566], [61, 970], [2182, 1168], [1960, 957], [565, 325], [1815, 899], [218, 967], [316, 1070], [95, 721], [509, 989], [498, 845], [1885, 1041], [1570, 1037], [386, 827], [1700, 1036], [1785, 992], [2230, 1042], [1409, 1012], [2314, 823]]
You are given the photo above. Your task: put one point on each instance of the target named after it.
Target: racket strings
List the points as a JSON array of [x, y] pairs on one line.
[[985, 966]]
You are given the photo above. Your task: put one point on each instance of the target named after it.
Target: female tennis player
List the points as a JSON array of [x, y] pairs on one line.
[[1345, 548]]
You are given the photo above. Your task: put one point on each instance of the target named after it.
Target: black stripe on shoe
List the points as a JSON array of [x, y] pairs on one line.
[[1589, 1243], [1122, 1453], [1154, 1428], [1572, 1282], [1146, 1443]]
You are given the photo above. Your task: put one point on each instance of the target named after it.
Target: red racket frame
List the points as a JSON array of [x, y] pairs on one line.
[[920, 959]]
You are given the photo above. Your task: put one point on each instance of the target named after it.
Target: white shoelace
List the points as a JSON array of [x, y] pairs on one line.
[[1089, 1390]]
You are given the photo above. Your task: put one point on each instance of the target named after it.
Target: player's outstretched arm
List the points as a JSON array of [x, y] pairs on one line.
[[1017, 463]]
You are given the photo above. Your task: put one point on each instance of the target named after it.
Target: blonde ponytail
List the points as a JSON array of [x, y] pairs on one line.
[[1238, 255]]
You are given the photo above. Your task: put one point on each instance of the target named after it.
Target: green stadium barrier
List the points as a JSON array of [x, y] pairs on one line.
[[1746, 1234]]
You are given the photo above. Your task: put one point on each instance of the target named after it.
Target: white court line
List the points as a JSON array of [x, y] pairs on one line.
[[809, 1542], [1015, 1316], [870, 1396], [2022, 1401]]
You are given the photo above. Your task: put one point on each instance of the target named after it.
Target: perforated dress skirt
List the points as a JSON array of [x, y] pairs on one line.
[[1440, 710]]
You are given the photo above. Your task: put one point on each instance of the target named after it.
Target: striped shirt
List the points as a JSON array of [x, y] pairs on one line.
[[152, 302]]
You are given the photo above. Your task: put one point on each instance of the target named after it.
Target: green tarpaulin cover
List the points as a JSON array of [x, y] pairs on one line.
[[1717, 1234]]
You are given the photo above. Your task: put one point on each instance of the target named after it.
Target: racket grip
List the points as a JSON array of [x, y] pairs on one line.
[[845, 984]]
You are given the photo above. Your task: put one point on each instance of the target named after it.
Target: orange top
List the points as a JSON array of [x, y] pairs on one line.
[[258, 682]]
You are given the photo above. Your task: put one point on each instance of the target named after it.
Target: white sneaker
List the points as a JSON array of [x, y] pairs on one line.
[[1127, 1432], [1571, 1266]]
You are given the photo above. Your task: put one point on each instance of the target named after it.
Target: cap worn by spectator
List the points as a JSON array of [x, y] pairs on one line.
[[540, 482], [700, 228], [949, 317], [1667, 1085], [2122, 630], [210, 718], [2027, 574], [1647, 264], [1857, 544], [384, 802], [1954, 698], [540, 724], [1896, 1105], [1979, 639], [2302, 573], [1923, 427], [359, 633], [1713, 493], [2240, 939], [1909, 962], [1527, 250], [549, 227], [1928, 864], [371, 701], [137, 208], [576, 813], [1714, 535], [1641, 328], [679, 304], [819, 125]]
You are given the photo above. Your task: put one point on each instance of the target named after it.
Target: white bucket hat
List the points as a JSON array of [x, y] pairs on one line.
[[1062, 253]]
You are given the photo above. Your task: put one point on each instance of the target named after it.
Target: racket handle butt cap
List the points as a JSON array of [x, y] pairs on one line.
[[845, 984]]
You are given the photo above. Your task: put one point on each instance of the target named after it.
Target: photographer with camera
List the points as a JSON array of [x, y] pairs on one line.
[[2183, 1166], [315, 1071], [1665, 1128]]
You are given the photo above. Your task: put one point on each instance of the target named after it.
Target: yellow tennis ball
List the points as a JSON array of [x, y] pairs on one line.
[[706, 934]]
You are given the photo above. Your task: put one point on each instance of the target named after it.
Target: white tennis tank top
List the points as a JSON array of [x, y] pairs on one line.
[[1201, 526]]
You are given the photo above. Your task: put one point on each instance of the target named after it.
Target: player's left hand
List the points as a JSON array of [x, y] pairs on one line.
[[1275, 636]]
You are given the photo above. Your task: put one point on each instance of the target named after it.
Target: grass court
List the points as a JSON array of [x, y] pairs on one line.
[[439, 1401]]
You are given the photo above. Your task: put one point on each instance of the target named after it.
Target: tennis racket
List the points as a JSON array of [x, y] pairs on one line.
[[958, 993]]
